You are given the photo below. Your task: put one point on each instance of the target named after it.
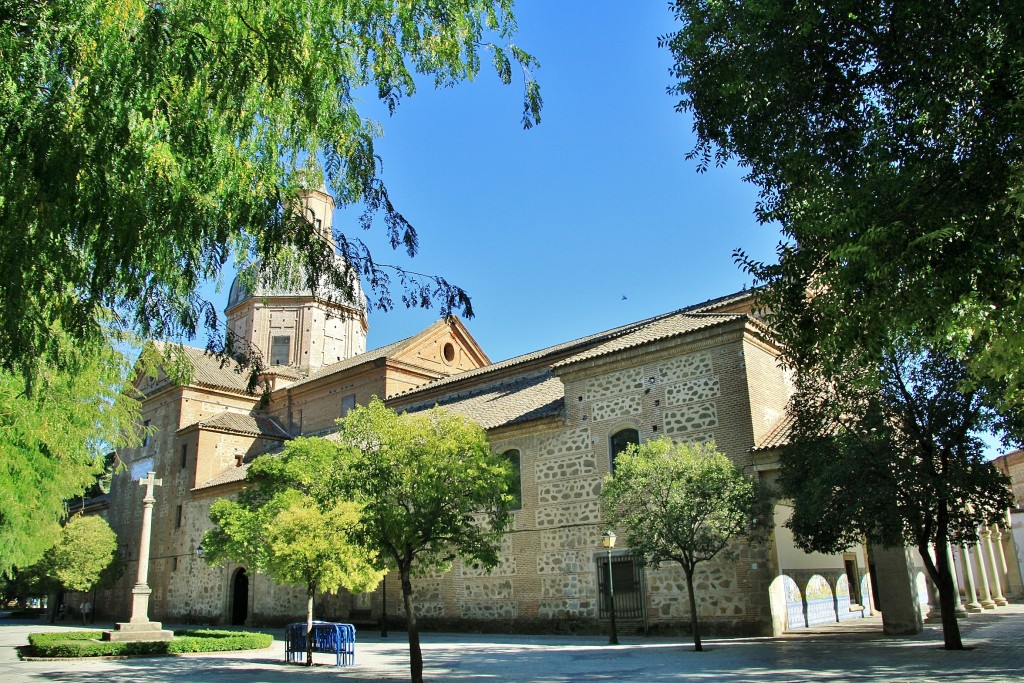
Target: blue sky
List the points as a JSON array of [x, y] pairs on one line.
[[548, 229]]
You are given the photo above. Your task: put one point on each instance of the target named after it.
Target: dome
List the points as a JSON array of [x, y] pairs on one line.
[[289, 281]]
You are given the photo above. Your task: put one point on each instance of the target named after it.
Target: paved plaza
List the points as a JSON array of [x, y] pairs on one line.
[[853, 651]]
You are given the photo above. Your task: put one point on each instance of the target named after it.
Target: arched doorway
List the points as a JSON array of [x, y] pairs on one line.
[[239, 598]]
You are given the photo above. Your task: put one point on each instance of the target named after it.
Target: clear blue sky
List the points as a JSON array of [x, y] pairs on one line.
[[548, 229]]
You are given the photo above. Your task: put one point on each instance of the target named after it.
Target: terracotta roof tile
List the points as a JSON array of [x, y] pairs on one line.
[[529, 397], [209, 370], [778, 435], [674, 325], [229, 476], [382, 352], [561, 350], [255, 425]]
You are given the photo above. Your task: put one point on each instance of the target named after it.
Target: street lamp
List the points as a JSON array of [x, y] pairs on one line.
[[608, 541], [199, 552]]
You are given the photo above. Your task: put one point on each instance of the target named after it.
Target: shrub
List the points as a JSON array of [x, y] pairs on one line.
[[89, 643]]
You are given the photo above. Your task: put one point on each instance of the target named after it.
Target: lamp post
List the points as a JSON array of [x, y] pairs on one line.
[[199, 552], [608, 541]]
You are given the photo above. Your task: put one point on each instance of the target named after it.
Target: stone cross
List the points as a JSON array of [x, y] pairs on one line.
[[141, 592], [139, 627]]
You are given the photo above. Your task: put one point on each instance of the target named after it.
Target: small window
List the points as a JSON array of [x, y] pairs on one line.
[[174, 563], [347, 404], [145, 433], [620, 441], [517, 478], [178, 518], [184, 456], [280, 350]]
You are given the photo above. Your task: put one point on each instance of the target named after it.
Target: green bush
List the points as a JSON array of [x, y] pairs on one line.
[[89, 643]]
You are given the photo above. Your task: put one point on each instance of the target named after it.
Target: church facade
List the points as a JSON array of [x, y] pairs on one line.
[[704, 372]]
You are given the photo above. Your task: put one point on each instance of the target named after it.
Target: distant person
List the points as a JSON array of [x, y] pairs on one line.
[[86, 612]]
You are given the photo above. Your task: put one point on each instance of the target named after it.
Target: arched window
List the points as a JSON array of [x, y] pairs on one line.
[[516, 490], [620, 441]]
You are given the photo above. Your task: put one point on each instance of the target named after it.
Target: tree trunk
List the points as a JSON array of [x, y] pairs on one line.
[[415, 654], [310, 592], [939, 571], [697, 647]]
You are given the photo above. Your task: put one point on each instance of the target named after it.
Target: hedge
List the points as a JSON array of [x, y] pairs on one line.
[[89, 643]]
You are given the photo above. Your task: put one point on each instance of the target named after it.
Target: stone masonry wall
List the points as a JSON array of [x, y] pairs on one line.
[[548, 568]]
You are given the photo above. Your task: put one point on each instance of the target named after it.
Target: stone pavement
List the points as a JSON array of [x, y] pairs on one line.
[[852, 651]]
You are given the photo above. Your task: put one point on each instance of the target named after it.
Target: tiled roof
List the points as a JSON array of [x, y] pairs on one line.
[[561, 350], [674, 325], [226, 477], [778, 435], [211, 371], [236, 474], [529, 397], [382, 352], [256, 425]]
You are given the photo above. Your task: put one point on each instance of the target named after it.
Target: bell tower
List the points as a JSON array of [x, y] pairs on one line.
[[295, 331]]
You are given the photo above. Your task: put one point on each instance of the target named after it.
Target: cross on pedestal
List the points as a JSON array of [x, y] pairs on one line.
[[139, 627]]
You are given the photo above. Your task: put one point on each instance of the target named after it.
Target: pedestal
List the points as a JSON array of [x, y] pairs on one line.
[[143, 631], [140, 628]]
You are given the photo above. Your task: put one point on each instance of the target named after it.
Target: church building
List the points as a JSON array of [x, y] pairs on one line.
[[706, 371]]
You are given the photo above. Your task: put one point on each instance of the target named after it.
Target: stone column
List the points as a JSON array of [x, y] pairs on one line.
[[970, 588], [901, 611], [959, 610], [993, 564], [139, 627], [986, 592]]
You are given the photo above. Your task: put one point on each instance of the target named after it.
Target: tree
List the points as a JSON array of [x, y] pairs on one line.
[[686, 503], [891, 453], [286, 525], [886, 141], [431, 492], [144, 141], [85, 548], [53, 441]]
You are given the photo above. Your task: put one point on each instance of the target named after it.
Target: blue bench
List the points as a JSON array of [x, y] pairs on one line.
[[328, 637]]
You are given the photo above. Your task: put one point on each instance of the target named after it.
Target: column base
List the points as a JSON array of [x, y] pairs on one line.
[[988, 604], [1001, 602], [139, 631], [974, 608]]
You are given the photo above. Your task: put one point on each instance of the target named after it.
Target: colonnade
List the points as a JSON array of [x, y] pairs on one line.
[[980, 571]]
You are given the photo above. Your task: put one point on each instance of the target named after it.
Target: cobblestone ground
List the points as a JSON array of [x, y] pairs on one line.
[[855, 652]]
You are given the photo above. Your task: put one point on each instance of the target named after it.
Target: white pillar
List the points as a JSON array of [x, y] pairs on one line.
[[993, 565], [986, 592], [959, 607], [970, 588]]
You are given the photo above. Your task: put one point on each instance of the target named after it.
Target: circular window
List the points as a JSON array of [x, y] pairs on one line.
[[449, 352]]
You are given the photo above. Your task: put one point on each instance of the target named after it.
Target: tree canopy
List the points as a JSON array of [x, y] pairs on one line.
[[144, 142], [886, 139], [891, 453], [431, 492], [684, 503], [53, 444], [287, 524], [84, 549]]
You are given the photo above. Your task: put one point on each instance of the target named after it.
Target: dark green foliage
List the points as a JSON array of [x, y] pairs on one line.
[[886, 138], [890, 452], [89, 643]]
